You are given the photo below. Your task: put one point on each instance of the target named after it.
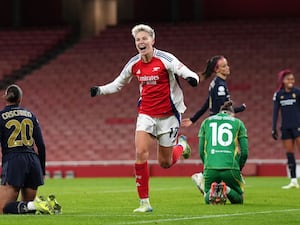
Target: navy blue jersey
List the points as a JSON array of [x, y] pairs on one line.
[[218, 94], [289, 105], [19, 131]]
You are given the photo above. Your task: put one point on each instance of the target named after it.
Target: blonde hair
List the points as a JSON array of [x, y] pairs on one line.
[[143, 27]]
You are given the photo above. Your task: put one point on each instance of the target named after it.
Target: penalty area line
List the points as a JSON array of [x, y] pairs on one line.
[[207, 217]]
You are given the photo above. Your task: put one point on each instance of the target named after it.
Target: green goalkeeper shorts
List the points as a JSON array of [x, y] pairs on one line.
[[232, 178]]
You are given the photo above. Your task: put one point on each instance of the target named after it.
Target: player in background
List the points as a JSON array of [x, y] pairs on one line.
[[22, 167], [223, 149], [218, 94], [159, 109], [287, 100]]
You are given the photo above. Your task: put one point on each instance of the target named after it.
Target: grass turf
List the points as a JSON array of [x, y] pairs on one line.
[[174, 200]]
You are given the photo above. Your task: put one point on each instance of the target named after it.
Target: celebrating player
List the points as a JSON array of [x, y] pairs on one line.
[[223, 149], [22, 168], [287, 100], [160, 106]]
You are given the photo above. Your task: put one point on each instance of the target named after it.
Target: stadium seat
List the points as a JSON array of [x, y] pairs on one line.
[[78, 127]]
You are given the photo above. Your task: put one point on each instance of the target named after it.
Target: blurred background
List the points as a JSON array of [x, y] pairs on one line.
[[57, 49]]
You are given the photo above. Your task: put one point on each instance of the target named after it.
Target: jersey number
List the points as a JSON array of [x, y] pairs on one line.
[[222, 134], [21, 134]]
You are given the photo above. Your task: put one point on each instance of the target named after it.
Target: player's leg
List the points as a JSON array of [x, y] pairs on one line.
[[198, 179], [234, 186], [288, 145], [168, 151], [210, 177], [8, 194], [164, 156], [30, 180], [143, 144], [10, 205], [38, 206], [18, 207], [11, 179], [288, 137], [28, 194]]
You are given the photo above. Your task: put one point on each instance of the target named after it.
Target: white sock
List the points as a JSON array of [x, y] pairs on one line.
[[31, 206], [145, 200], [294, 180]]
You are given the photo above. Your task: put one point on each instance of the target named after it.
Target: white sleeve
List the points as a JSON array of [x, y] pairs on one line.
[[116, 85], [182, 70]]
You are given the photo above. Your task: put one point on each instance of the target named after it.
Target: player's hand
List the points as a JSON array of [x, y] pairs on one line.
[[192, 81], [244, 106], [94, 91], [274, 134], [186, 122]]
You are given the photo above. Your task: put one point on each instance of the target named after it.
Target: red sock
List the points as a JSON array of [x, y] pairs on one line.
[[177, 152], [142, 179]]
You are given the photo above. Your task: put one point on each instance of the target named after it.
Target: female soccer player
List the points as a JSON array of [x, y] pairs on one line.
[[22, 167], [160, 106], [287, 100], [218, 92], [223, 148]]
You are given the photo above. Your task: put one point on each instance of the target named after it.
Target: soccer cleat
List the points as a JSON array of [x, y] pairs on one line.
[[199, 180], [213, 192], [217, 193], [182, 140], [222, 192], [144, 207], [42, 206], [291, 185], [54, 204]]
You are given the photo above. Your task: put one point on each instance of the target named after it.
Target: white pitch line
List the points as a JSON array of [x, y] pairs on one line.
[[207, 217]]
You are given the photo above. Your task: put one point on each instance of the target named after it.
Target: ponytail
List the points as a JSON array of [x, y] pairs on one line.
[[211, 66], [13, 94]]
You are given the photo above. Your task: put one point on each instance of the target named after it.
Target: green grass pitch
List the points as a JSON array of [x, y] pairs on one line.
[[174, 200]]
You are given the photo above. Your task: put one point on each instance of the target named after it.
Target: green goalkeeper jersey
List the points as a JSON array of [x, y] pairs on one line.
[[223, 142]]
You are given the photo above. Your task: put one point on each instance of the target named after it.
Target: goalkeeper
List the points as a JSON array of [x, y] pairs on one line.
[[223, 148]]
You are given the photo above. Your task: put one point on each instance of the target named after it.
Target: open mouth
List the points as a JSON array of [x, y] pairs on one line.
[[142, 48]]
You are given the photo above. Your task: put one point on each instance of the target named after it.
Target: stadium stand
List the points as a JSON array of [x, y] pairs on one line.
[[79, 128], [19, 48]]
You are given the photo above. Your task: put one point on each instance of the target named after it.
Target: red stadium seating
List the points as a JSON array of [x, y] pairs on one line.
[[78, 128], [20, 47]]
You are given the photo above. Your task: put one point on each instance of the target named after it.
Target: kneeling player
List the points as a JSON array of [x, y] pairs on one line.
[[223, 148]]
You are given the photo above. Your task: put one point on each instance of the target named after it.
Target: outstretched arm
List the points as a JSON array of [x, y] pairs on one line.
[[240, 108], [116, 85], [201, 111], [112, 87]]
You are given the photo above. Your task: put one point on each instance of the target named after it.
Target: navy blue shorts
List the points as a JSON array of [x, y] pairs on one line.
[[291, 133], [22, 170]]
